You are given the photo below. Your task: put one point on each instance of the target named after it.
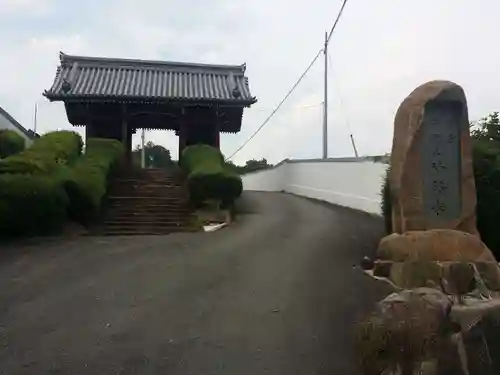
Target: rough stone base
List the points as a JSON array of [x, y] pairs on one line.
[[443, 338], [477, 279], [434, 245]]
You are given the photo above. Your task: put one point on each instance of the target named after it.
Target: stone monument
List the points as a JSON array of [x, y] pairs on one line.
[[431, 177], [435, 246]]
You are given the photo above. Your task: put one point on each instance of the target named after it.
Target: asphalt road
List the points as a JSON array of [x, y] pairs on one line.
[[276, 293]]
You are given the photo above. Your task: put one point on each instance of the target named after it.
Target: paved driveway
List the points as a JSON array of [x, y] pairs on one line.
[[276, 293]]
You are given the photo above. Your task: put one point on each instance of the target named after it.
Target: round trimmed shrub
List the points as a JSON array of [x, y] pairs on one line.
[[46, 154], [209, 179], [31, 205], [11, 143], [85, 182]]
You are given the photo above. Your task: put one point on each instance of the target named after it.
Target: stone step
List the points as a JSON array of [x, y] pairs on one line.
[[152, 184], [162, 232], [147, 181], [128, 206], [153, 210], [146, 223], [145, 219], [146, 200], [150, 202], [124, 230], [131, 192], [150, 195], [149, 216], [127, 230]]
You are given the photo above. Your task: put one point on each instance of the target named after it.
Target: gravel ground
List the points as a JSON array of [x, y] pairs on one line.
[[275, 293]]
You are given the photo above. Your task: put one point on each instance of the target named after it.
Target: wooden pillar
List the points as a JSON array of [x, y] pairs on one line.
[[216, 129], [125, 134], [124, 125], [182, 132], [89, 131], [129, 144]]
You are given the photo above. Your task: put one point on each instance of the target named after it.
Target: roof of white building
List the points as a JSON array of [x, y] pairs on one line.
[[27, 132]]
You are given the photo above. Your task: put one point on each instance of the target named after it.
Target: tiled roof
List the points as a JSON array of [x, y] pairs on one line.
[[27, 132], [108, 78]]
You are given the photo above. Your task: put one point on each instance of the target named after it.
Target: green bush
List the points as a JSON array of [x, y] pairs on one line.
[[64, 144], [31, 205], [486, 158], [85, 182], [487, 178], [11, 143], [386, 202], [208, 177], [201, 157], [46, 154]]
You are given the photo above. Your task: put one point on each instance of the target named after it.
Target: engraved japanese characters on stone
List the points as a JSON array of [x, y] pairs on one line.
[[439, 186], [438, 208], [441, 162], [438, 165]]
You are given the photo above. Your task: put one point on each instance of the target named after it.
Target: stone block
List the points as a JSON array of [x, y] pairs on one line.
[[382, 269], [366, 263], [490, 274], [434, 245], [409, 275], [459, 278], [431, 177], [478, 356], [404, 330], [450, 358], [480, 324]]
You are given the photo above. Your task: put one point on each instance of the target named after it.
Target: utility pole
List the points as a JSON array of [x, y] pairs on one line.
[[354, 146], [34, 120], [325, 103], [143, 151]]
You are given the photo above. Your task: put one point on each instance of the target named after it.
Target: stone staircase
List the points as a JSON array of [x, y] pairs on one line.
[[147, 202]]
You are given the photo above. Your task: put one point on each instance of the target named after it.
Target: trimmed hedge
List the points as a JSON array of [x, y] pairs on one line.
[[208, 176], [11, 143], [85, 182], [39, 203], [486, 159], [31, 205], [46, 154]]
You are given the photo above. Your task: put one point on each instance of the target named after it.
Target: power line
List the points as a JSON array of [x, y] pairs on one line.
[[296, 84], [278, 107], [346, 116], [336, 21], [342, 104], [293, 108]]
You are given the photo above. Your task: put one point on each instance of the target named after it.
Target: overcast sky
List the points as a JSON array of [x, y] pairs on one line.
[[380, 52]]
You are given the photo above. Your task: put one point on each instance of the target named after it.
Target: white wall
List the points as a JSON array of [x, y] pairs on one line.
[[354, 183], [6, 124]]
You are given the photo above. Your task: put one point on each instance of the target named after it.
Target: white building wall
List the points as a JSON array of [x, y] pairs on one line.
[[6, 124], [354, 183]]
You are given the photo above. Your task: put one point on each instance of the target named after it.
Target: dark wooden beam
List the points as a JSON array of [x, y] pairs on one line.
[[155, 116]]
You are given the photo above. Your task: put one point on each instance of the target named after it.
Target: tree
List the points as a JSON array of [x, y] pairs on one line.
[[156, 156], [233, 167], [256, 165], [488, 128], [250, 166]]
